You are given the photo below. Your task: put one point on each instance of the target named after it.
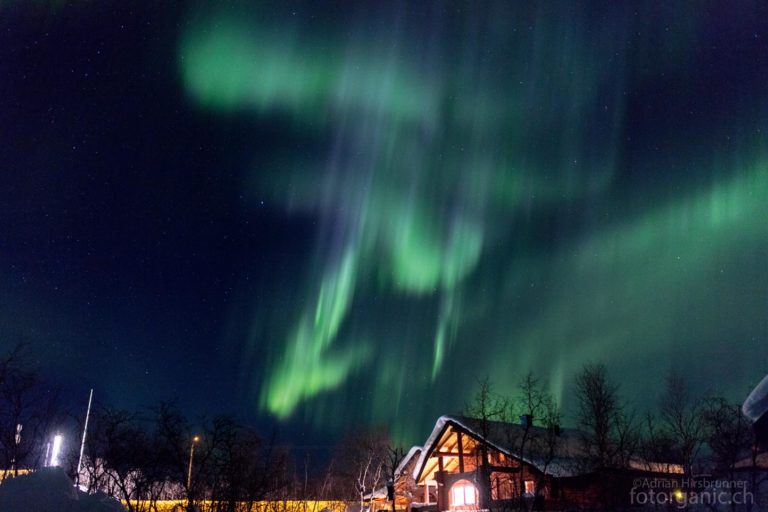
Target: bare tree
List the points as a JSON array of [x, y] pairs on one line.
[[142, 457], [538, 438], [239, 467], [598, 404], [627, 439], [610, 436], [363, 456], [127, 457], [395, 484], [120, 451], [730, 437], [656, 445], [486, 405], [173, 436], [682, 416], [28, 409]]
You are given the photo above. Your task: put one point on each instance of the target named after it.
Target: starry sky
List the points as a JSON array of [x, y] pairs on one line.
[[322, 214]]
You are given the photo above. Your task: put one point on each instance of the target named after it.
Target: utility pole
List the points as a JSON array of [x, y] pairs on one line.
[[82, 441], [195, 439], [17, 442]]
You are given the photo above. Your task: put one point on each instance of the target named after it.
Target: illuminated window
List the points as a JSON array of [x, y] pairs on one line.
[[463, 493], [529, 488]]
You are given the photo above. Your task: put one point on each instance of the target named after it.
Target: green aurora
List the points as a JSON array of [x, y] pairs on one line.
[[489, 200]]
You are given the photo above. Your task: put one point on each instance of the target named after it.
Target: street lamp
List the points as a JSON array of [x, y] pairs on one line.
[[58, 439], [195, 440]]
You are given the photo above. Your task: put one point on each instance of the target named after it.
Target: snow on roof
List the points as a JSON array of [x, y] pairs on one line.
[[502, 436], [756, 403], [50, 490], [381, 492], [415, 450], [376, 494]]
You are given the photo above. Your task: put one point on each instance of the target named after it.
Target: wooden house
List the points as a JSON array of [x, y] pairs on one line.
[[470, 464]]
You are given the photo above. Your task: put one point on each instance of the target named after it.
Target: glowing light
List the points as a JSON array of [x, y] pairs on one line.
[[463, 494], [58, 440], [513, 210], [409, 210]]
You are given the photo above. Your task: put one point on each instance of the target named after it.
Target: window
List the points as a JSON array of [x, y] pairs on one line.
[[502, 488], [529, 487], [463, 493]]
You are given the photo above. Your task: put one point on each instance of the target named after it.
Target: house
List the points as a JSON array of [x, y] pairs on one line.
[[406, 491], [471, 464], [752, 473]]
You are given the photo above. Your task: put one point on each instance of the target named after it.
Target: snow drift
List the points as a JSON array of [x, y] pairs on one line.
[[50, 490]]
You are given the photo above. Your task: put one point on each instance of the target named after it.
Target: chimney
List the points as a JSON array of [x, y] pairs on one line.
[[526, 420]]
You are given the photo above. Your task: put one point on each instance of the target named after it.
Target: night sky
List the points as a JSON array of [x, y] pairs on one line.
[[329, 213]]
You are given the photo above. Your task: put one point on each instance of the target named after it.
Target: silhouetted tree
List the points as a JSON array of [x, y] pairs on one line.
[[682, 417], [730, 437], [28, 409], [610, 436], [395, 455], [598, 403], [239, 467], [537, 439], [486, 406], [657, 445], [362, 457]]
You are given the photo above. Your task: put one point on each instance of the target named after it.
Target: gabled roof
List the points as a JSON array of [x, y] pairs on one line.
[[413, 452], [567, 458], [381, 492], [504, 437]]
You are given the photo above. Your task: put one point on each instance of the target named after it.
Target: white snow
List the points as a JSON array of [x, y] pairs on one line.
[[50, 490], [562, 465], [756, 403]]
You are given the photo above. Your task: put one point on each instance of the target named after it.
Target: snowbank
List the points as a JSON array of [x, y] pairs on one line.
[[50, 490]]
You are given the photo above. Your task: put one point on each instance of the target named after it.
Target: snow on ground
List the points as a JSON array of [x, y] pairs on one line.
[[50, 490]]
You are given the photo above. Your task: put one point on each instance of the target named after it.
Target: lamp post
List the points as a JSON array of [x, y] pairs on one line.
[[195, 440], [17, 442], [391, 492]]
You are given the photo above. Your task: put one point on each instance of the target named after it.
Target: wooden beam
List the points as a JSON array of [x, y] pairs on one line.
[[449, 454], [491, 467], [504, 469], [461, 451], [429, 448]]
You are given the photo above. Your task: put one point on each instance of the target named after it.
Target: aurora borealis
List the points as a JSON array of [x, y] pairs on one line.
[[454, 139], [469, 189]]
